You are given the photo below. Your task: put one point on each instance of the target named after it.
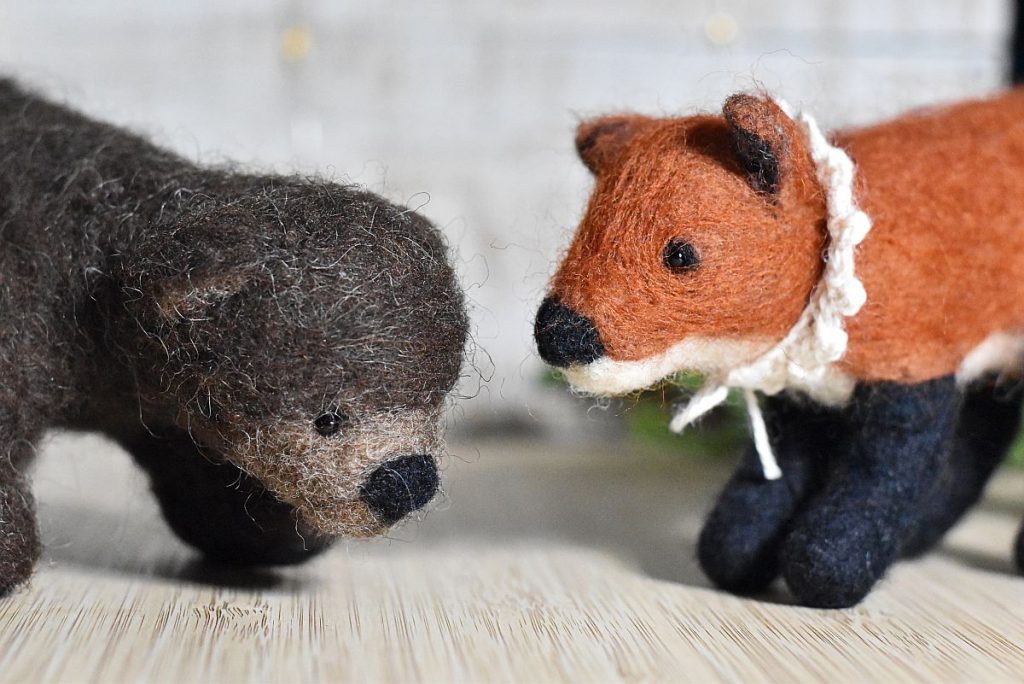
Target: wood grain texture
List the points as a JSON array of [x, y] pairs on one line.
[[543, 563]]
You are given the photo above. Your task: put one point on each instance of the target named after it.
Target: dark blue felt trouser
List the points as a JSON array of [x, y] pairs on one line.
[[989, 422], [861, 485]]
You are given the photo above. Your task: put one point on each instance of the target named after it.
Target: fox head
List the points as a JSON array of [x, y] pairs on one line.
[[699, 248]]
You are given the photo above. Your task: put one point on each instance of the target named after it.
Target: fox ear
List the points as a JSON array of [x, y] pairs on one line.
[[761, 138], [192, 295], [599, 141]]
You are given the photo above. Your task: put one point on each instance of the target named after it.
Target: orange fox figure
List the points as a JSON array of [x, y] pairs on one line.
[[705, 244]]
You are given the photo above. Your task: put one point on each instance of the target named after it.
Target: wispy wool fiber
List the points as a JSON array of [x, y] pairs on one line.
[[206, 318]]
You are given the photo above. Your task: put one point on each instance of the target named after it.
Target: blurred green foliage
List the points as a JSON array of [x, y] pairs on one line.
[[1016, 457], [722, 432], [646, 414]]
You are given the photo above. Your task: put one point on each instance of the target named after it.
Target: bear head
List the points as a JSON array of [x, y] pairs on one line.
[[308, 333]]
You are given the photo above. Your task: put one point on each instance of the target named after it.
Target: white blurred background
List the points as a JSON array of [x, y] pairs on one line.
[[465, 109]]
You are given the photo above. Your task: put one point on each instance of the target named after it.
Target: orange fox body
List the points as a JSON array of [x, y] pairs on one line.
[[942, 265]]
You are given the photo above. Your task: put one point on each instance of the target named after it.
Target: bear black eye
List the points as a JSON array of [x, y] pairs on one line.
[[680, 256], [329, 423]]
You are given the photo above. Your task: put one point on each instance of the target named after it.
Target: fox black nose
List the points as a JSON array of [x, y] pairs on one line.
[[400, 486], [564, 337]]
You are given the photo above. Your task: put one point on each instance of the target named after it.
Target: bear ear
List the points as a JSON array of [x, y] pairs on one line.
[[761, 139], [599, 141], [188, 297]]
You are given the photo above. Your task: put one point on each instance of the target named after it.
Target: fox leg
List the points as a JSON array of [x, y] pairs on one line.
[[739, 543], [989, 421], [852, 530], [216, 508]]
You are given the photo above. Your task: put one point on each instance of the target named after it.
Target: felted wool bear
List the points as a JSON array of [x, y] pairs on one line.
[[274, 351], [866, 283]]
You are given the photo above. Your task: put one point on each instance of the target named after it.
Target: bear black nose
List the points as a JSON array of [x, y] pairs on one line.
[[400, 486], [564, 337]]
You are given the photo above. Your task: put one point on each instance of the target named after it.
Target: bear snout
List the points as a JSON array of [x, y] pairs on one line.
[[400, 486], [564, 337]]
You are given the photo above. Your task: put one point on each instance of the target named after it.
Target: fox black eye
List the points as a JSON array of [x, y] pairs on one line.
[[329, 423], [680, 256]]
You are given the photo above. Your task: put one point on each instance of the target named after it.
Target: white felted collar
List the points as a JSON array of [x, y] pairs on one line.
[[804, 358]]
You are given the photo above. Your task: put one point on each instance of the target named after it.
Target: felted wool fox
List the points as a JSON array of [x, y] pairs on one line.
[[274, 351], [867, 283]]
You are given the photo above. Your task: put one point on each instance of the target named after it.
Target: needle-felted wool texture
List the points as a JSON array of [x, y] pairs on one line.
[[681, 178], [701, 246], [262, 344], [939, 185]]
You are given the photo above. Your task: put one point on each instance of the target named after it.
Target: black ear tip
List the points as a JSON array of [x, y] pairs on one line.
[[589, 131], [759, 139], [599, 141], [759, 160]]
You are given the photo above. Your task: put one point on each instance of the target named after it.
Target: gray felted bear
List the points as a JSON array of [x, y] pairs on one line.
[[274, 351]]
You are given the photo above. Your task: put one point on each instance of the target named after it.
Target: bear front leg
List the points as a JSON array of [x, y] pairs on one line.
[[738, 546], [853, 529], [989, 421], [19, 535], [215, 507]]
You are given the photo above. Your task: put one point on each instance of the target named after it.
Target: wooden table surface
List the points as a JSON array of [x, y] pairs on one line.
[[542, 563]]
